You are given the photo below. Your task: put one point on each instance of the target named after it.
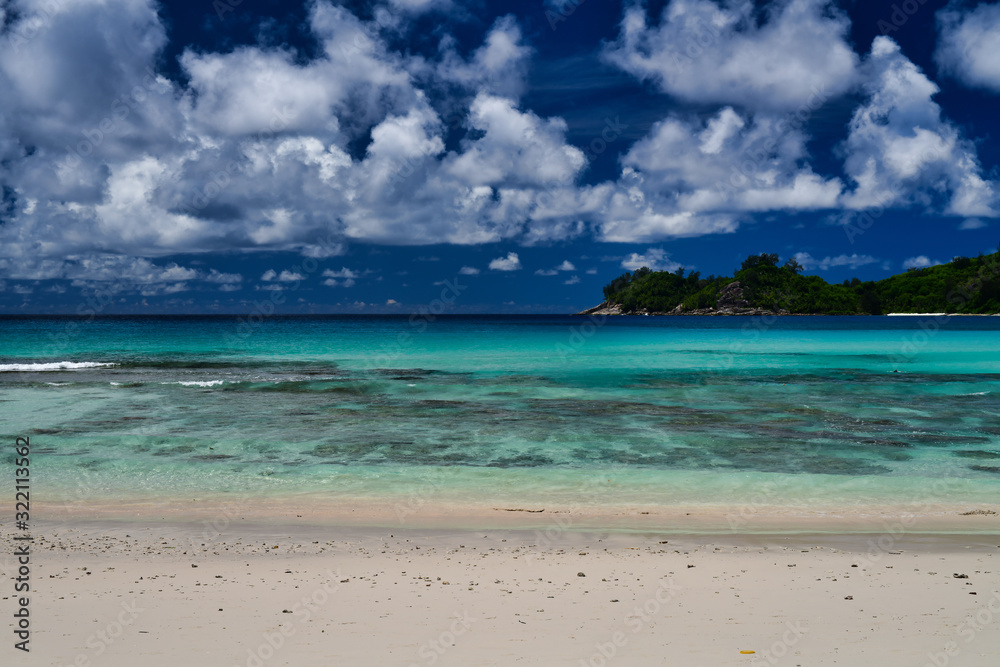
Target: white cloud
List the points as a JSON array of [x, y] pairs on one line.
[[469, 271], [591, 272], [391, 302], [572, 280], [565, 266], [255, 148], [344, 272], [655, 259], [900, 150], [285, 276], [690, 177], [972, 223], [498, 66], [969, 45], [421, 6], [215, 276], [853, 261], [920, 262], [509, 263], [252, 149], [705, 53], [345, 277]]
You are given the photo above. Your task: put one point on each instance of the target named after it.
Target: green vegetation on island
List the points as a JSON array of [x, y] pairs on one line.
[[965, 285]]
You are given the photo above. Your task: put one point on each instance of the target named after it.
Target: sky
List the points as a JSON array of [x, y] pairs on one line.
[[241, 156]]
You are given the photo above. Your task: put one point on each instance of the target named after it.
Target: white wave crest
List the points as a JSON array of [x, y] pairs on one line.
[[53, 366]]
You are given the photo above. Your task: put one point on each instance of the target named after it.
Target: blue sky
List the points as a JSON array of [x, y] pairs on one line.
[[233, 156]]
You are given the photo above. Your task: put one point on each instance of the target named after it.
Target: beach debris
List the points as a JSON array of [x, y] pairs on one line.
[[517, 509], [747, 652], [580, 574], [960, 576], [978, 513], [849, 597], [690, 566]]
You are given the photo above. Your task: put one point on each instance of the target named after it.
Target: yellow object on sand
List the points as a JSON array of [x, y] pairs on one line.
[[747, 652]]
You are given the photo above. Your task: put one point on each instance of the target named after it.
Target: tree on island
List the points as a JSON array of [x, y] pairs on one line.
[[964, 285]]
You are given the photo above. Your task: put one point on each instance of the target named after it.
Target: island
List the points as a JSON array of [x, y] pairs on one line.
[[763, 286]]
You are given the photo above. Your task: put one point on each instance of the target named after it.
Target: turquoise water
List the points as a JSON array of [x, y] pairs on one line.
[[789, 411]]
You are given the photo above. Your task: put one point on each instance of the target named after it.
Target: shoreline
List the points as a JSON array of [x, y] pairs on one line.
[[423, 514], [604, 309]]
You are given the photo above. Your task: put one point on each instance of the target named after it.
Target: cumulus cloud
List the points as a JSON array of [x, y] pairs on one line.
[[107, 165], [572, 280], [727, 163], [969, 45], [469, 271], [509, 263], [900, 151], [498, 66], [285, 276], [920, 262], [253, 149], [853, 261], [345, 277], [655, 259], [565, 266], [732, 54], [116, 274]]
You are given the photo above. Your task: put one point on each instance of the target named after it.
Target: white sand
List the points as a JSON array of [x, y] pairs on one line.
[[162, 592]]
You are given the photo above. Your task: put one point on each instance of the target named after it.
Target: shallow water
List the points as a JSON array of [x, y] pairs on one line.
[[801, 411]]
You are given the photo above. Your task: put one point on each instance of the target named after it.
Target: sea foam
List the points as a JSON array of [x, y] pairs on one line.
[[53, 366]]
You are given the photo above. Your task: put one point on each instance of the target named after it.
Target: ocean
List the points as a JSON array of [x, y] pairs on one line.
[[801, 412]]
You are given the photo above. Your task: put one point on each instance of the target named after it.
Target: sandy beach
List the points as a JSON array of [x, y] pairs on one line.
[[151, 590]]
